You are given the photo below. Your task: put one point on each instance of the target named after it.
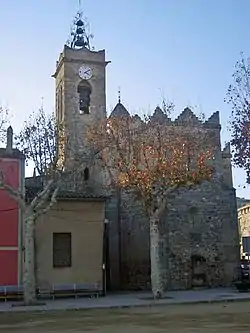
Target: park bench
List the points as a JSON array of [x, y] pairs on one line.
[[62, 290], [2, 293], [44, 293], [87, 289], [74, 290], [13, 293]]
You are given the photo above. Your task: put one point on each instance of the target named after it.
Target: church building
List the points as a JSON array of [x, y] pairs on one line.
[[93, 237]]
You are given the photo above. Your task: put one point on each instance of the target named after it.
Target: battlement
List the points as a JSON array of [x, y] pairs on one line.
[[185, 118], [186, 121]]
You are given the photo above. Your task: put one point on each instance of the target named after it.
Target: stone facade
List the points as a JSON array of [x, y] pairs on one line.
[[67, 80], [200, 226], [201, 243]]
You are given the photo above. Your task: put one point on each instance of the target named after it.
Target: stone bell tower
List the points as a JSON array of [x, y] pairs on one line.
[[80, 79]]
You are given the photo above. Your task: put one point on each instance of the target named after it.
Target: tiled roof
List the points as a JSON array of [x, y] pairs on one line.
[[87, 191]]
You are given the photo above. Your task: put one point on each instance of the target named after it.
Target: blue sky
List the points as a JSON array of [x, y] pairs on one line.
[[184, 49]]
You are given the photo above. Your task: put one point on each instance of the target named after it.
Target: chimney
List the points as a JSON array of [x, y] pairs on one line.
[[9, 145]]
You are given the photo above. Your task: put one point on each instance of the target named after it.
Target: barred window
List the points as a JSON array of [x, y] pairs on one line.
[[61, 249]]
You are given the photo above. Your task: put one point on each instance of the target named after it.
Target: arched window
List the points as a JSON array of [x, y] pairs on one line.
[[86, 174], [84, 91]]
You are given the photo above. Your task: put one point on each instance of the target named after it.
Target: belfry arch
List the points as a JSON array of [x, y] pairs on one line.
[[84, 90]]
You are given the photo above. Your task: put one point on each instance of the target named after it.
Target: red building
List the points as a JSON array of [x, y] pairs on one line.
[[12, 168]]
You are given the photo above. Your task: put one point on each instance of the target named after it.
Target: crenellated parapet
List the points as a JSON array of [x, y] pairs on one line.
[[186, 120], [213, 121], [186, 117], [160, 117]]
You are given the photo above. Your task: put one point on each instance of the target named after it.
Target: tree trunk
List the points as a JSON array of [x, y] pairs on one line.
[[156, 258], [29, 281]]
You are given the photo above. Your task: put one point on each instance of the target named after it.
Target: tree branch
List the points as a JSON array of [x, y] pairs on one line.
[[38, 200], [52, 202]]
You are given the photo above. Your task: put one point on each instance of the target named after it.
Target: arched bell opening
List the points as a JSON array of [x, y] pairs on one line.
[[84, 90]]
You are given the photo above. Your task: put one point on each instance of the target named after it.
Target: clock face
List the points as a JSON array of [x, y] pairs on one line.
[[85, 72]]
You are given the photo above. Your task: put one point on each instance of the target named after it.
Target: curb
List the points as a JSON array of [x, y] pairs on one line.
[[125, 306]]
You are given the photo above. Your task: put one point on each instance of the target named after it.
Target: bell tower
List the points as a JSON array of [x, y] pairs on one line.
[[80, 84]]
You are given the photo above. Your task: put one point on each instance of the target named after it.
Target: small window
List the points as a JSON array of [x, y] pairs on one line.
[[61, 250], [86, 174]]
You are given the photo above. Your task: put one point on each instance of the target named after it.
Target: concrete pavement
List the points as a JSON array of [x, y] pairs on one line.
[[134, 299]]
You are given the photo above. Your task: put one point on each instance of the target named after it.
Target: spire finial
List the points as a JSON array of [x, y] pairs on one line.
[[80, 32], [119, 94]]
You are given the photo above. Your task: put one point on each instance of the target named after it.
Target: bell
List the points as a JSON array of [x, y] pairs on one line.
[[80, 42], [79, 31], [79, 23]]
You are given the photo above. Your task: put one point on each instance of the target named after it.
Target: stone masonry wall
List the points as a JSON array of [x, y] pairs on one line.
[[200, 229], [199, 223]]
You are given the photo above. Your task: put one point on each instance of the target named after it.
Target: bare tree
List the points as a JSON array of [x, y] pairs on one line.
[[151, 161], [238, 96], [40, 142]]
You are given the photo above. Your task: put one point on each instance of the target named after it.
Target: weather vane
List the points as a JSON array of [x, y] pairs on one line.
[[80, 35]]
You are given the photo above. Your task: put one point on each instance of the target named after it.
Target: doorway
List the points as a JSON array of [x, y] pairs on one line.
[[198, 264]]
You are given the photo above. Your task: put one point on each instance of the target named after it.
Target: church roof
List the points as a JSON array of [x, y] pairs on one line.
[[120, 111]]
